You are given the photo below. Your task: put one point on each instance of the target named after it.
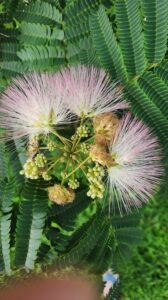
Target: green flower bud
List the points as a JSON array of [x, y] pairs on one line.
[[40, 160], [30, 169]]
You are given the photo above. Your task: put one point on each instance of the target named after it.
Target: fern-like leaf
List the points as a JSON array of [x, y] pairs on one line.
[[127, 235], [105, 44], [30, 224], [145, 108], [42, 57], [39, 12], [66, 216], [8, 51], [98, 260], [162, 71], [87, 242], [14, 165], [13, 68], [157, 90], [6, 196], [126, 221], [155, 22], [130, 35], [3, 169], [77, 32], [39, 34], [79, 11], [114, 293]]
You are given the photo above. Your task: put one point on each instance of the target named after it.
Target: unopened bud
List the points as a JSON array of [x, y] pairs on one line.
[[33, 147], [105, 126], [98, 153], [61, 195]]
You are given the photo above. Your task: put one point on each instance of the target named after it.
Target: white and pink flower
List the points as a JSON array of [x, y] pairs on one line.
[[137, 170], [36, 103], [90, 92], [32, 105]]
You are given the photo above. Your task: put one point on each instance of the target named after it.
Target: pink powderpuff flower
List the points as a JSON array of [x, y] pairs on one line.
[[32, 105], [137, 171], [90, 92]]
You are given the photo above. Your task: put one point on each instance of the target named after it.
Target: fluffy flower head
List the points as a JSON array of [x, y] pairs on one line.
[[32, 105], [89, 91], [137, 172]]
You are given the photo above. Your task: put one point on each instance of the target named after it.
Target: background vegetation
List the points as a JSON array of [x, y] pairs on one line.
[[146, 275]]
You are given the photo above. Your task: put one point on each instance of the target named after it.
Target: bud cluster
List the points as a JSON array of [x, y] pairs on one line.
[[96, 186], [51, 146], [40, 160], [82, 131], [85, 153], [32, 168], [73, 184], [84, 148], [46, 176]]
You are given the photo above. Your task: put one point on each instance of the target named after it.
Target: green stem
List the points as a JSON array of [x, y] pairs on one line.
[[62, 182], [64, 140], [92, 137], [78, 167], [56, 147], [77, 139], [51, 167], [84, 173]]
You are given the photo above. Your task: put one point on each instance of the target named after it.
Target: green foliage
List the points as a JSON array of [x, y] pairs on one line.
[[77, 30], [130, 36], [114, 292], [95, 240], [8, 51], [127, 234], [79, 11], [87, 242], [71, 211], [87, 54], [155, 16], [123, 51], [13, 164], [34, 34], [39, 12], [145, 276], [34, 42], [13, 68], [30, 224], [3, 170], [143, 106], [41, 57], [106, 45], [100, 257], [6, 194]]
